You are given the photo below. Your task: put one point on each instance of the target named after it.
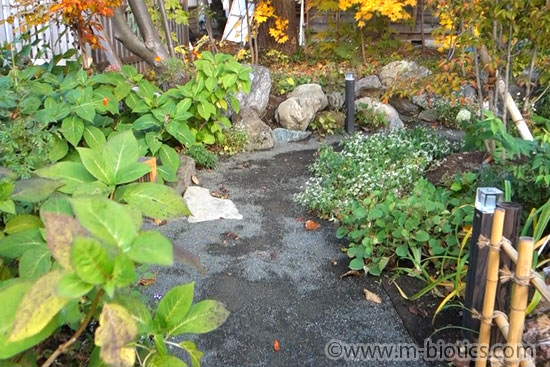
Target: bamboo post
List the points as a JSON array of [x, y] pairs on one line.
[[504, 326], [518, 305], [490, 288], [151, 176]]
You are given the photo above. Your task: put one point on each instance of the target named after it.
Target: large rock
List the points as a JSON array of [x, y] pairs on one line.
[[185, 171], [404, 106], [335, 100], [260, 87], [421, 100], [283, 136], [392, 116], [310, 91], [297, 113], [260, 136], [428, 115], [205, 207], [405, 71], [367, 84]]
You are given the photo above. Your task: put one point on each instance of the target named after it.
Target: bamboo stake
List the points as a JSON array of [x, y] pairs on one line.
[[503, 325], [536, 280], [490, 288], [515, 114], [518, 305]]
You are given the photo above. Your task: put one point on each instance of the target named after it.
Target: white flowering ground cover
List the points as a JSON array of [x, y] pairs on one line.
[[387, 162]]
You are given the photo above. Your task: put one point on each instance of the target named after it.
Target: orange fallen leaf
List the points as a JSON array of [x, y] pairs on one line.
[[147, 281], [312, 225], [371, 297], [276, 346]]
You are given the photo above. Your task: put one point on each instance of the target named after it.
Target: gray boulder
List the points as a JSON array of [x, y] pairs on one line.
[[260, 87], [335, 100], [404, 106], [404, 71], [428, 116], [260, 135], [296, 113], [185, 171], [311, 91], [421, 100], [392, 116], [369, 83], [283, 136]]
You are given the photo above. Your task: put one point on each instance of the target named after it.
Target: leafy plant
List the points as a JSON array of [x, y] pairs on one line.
[[109, 171], [369, 117], [325, 124], [385, 162], [77, 269], [203, 157], [235, 141]]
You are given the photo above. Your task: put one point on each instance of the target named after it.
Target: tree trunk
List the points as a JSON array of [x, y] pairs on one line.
[[286, 9], [150, 48]]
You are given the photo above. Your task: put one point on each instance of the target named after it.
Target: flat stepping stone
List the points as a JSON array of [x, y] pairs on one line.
[[205, 207]]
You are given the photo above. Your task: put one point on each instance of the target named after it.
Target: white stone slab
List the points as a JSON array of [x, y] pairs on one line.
[[205, 207]]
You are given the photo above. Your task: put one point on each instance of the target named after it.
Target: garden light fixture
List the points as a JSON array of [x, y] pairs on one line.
[[350, 102]]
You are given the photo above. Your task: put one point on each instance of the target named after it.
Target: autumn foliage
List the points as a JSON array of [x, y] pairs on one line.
[[81, 16]]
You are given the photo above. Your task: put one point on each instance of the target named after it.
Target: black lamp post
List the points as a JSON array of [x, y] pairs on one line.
[[350, 102]]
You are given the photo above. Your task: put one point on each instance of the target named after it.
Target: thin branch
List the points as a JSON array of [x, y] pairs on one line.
[[526, 103], [65, 346], [507, 76]]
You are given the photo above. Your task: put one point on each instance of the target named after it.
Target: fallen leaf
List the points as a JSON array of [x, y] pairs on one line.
[[276, 346], [218, 195], [300, 219], [354, 273], [195, 179], [159, 222], [371, 297], [312, 225], [418, 311], [147, 281]]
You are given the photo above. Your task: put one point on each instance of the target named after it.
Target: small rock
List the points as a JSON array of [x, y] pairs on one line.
[[260, 87], [296, 113], [185, 173], [335, 100], [204, 207], [283, 136], [260, 136], [421, 101], [428, 116], [311, 91], [392, 116], [369, 83], [404, 70], [404, 106]]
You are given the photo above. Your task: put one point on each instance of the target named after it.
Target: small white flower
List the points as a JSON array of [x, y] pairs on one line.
[[463, 115]]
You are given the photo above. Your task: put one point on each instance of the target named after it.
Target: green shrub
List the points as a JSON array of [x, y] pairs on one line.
[[367, 116], [422, 227], [385, 162], [325, 124], [453, 115], [235, 141], [202, 156]]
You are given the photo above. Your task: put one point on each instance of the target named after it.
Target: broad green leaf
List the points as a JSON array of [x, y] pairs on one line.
[[58, 149], [105, 219], [94, 162], [139, 311], [145, 122], [96, 188], [155, 200], [22, 222], [211, 83], [34, 190], [174, 306], [7, 206], [169, 157], [131, 172], [151, 248], [39, 306], [116, 331], [158, 360], [61, 230], [71, 174], [167, 174], [71, 286], [72, 128], [90, 261], [194, 354], [121, 90], [35, 263], [17, 244], [85, 111], [181, 131], [153, 142], [203, 317], [120, 151], [123, 271], [57, 203], [94, 137], [422, 236]]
